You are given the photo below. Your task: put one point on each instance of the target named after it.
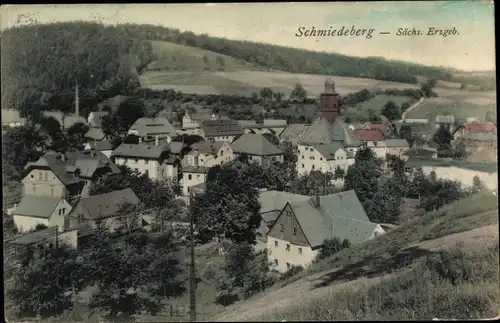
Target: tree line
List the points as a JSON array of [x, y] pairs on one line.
[[291, 59]]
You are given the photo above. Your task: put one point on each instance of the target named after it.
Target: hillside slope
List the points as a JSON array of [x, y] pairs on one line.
[[398, 275]]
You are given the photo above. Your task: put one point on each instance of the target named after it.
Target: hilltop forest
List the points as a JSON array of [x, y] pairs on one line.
[[43, 63]]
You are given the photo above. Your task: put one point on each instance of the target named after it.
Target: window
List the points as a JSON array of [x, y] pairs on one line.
[[294, 231], [288, 266], [287, 247], [51, 190], [375, 143], [321, 158], [300, 251], [190, 176], [198, 176], [45, 176], [201, 160], [40, 176], [276, 243], [136, 160], [222, 153], [288, 213], [313, 167], [302, 156], [64, 211], [282, 227], [276, 262], [302, 165], [32, 176]]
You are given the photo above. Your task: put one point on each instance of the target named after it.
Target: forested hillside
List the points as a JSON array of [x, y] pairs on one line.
[[42, 64], [292, 59]]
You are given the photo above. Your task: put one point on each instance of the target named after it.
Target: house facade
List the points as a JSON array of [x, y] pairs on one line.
[[11, 118], [34, 210], [66, 175], [210, 153], [373, 139], [327, 146], [220, 130], [258, 149], [298, 233], [102, 209], [193, 176], [157, 162], [95, 118], [397, 147]]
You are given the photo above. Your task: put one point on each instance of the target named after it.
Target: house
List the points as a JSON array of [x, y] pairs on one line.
[[327, 146], [373, 139], [95, 118], [272, 126], [420, 153], [150, 128], [293, 133], [193, 176], [415, 120], [457, 170], [396, 147], [220, 130], [97, 140], [66, 175], [422, 131], [156, 161], [210, 153], [191, 122], [299, 231], [100, 209], [11, 118], [47, 210], [258, 149]]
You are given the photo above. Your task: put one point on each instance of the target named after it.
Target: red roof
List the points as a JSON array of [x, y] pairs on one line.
[[480, 127], [377, 126], [369, 135]]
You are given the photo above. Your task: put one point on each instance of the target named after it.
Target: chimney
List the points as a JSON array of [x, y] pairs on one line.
[[77, 102], [157, 141]]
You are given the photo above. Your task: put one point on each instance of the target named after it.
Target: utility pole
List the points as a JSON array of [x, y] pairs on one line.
[[192, 271]]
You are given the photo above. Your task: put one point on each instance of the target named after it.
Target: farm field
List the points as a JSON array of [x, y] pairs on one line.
[[377, 103], [459, 106]]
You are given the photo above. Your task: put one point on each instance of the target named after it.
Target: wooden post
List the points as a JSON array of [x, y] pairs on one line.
[[192, 289]]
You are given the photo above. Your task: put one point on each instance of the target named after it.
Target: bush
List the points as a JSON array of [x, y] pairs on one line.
[[294, 270], [332, 246]]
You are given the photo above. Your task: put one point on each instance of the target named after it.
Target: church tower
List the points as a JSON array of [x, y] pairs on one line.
[[329, 102]]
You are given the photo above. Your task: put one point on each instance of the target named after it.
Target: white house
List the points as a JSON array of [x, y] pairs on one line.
[[299, 231], [11, 118], [192, 176], [157, 162], [210, 153], [327, 146], [373, 139], [47, 210]]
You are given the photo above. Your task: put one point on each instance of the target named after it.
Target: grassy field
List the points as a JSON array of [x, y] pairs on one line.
[[461, 106], [349, 284]]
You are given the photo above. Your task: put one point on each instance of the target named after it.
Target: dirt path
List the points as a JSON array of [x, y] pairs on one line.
[[411, 108], [307, 288]]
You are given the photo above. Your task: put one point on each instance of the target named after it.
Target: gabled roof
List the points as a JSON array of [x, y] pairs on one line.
[[80, 159], [153, 126], [369, 134], [377, 126], [324, 132], [95, 133], [328, 151], [396, 143], [53, 161], [208, 147], [107, 204], [294, 131], [37, 206], [253, 144], [213, 128], [101, 145], [276, 200], [140, 151], [338, 215]]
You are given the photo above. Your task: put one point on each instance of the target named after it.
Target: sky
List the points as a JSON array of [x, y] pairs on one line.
[[472, 49]]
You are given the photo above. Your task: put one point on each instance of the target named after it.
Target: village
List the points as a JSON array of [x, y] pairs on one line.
[[56, 200]]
